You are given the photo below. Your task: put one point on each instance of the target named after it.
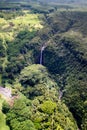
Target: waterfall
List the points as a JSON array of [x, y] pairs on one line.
[[60, 94], [41, 54]]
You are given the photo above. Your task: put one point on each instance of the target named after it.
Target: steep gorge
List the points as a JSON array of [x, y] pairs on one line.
[[65, 57], [66, 60]]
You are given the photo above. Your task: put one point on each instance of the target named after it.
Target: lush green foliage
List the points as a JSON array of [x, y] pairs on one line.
[[42, 109], [65, 56], [3, 125], [16, 31]]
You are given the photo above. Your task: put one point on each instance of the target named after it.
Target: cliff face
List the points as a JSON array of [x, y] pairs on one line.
[[5, 92], [66, 58]]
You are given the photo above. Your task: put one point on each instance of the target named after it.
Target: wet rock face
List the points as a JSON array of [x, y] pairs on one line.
[[5, 92]]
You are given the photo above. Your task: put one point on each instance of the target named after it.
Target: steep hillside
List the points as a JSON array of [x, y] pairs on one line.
[[56, 39], [41, 107], [68, 58]]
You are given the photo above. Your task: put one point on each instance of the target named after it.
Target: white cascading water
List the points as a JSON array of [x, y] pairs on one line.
[[41, 54], [60, 94]]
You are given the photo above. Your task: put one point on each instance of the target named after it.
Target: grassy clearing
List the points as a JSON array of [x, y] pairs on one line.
[[9, 28]]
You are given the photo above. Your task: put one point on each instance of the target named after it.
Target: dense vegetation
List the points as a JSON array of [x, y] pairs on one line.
[[40, 108], [52, 96]]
